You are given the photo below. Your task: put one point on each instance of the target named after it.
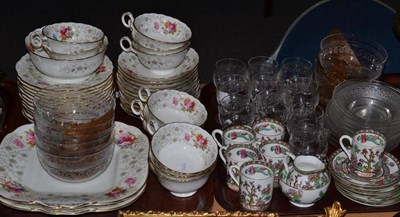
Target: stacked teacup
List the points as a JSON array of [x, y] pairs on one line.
[[159, 41], [67, 52], [157, 55], [63, 53], [168, 106]]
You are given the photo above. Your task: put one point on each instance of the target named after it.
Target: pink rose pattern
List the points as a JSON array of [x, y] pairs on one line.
[[29, 139], [186, 104], [65, 33], [12, 187], [125, 139], [167, 27], [199, 140]]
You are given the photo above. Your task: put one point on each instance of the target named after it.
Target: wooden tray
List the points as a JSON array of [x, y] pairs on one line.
[[229, 199]]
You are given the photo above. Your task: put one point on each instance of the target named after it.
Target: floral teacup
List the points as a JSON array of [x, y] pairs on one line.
[[241, 134], [268, 129], [255, 184], [237, 155], [168, 106], [157, 32], [184, 148], [367, 151], [273, 153]]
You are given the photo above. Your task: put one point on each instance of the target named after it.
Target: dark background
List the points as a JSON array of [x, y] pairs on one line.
[[221, 28]]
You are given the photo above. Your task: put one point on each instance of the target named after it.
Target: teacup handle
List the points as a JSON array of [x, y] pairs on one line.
[[232, 173], [127, 23], [148, 93], [39, 42], [135, 110], [286, 160], [221, 154], [123, 45], [214, 135], [152, 126], [344, 147]]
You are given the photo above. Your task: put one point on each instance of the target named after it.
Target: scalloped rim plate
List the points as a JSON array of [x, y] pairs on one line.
[[22, 177]]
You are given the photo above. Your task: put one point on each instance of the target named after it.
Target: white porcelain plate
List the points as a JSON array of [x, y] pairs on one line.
[[34, 207], [23, 180]]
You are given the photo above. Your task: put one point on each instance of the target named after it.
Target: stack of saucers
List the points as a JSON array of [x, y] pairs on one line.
[[63, 53], [157, 56], [381, 190]]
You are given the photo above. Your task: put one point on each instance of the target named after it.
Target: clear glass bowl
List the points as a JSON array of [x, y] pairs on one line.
[[340, 59], [74, 129], [76, 168]]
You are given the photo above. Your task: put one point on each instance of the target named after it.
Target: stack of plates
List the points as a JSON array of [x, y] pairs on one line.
[[30, 81], [132, 75], [379, 191], [121, 184]]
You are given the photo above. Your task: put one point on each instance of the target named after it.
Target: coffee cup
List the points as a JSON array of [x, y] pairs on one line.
[[255, 183], [366, 152], [240, 134], [273, 153], [237, 155]]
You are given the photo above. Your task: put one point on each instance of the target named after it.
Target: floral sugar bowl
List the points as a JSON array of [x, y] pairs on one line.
[[306, 181]]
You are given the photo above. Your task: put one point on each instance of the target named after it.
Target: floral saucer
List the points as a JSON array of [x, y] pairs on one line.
[[130, 63], [339, 168], [30, 75], [369, 200], [22, 177], [37, 207]]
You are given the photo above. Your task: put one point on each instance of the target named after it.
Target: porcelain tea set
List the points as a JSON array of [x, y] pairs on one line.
[[360, 172], [259, 154], [163, 68], [159, 41], [67, 50], [155, 66], [156, 55], [364, 172], [63, 53]]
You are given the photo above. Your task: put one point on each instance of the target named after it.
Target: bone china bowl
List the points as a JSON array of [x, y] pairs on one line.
[[184, 149], [302, 197], [157, 31], [68, 38], [74, 129], [66, 68]]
